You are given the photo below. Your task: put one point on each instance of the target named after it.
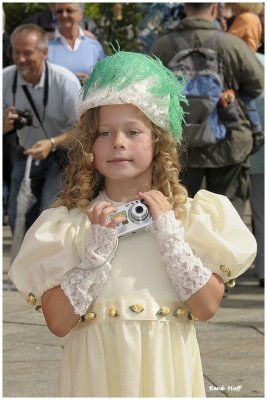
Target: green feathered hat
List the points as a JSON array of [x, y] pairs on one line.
[[138, 79]]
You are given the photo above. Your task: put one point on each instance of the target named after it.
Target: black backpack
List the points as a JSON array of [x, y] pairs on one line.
[[206, 121]]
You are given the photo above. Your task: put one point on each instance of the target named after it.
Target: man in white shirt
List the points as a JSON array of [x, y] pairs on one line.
[[49, 92]]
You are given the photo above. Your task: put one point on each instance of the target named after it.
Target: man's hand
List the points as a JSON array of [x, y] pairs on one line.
[[82, 77], [40, 150], [9, 117]]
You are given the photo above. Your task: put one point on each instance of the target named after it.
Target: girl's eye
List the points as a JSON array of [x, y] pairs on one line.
[[133, 132], [104, 133]]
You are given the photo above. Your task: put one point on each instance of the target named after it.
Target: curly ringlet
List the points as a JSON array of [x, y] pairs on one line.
[[83, 182]]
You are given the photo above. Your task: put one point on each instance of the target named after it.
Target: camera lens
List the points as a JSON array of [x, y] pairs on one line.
[[20, 123], [138, 213], [139, 209]]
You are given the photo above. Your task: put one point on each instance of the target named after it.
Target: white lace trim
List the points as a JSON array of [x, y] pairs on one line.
[[102, 244], [186, 271], [83, 284]]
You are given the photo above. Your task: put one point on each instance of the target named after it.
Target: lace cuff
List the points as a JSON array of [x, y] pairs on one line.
[[102, 244], [83, 284], [186, 271]]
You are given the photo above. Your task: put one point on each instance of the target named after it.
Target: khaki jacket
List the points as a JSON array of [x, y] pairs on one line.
[[243, 72]]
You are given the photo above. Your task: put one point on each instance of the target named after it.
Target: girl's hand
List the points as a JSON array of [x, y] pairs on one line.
[[99, 215], [156, 201]]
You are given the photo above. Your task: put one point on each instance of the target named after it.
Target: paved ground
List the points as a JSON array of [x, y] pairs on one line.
[[231, 344]]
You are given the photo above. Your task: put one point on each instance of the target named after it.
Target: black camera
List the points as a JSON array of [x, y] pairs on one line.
[[25, 119]]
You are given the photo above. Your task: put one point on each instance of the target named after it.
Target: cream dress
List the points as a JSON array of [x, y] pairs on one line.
[[134, 354]]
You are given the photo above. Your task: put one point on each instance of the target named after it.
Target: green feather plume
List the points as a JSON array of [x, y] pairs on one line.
[[124, 68]]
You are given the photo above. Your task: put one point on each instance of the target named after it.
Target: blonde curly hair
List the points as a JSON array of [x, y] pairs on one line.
[[82, 182]]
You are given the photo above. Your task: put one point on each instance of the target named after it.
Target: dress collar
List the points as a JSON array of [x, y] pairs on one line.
[[103, 196]]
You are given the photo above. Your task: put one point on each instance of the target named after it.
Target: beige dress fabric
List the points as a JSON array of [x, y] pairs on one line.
[[134, 354]]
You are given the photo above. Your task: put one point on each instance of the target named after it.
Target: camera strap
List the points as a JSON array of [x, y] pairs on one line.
[[30, 99]]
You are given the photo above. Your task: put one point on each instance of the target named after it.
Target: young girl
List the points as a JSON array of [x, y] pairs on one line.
[[128, 303]]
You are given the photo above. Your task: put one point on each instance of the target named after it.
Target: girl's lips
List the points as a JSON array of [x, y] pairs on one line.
[[119, 161]]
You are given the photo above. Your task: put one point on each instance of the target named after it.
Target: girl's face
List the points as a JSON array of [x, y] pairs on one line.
[[123, 149]]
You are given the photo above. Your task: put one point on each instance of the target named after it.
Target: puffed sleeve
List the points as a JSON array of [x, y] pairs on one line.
[[217, 234], [53, 245]]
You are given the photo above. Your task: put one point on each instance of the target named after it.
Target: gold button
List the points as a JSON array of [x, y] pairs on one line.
[[225, 270], [90, 316], [113, 312], [191, 316], [164, 311], [231, 283], [180, 312], [31, 299], [136, 308]]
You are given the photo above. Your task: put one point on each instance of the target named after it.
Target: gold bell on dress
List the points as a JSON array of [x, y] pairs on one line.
[[231, 283], [113, 312], [164, 311], [90, 316], [136, 308], [180, 312], [31, 299]]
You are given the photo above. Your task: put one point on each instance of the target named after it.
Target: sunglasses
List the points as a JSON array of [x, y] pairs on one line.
[[68, 11]]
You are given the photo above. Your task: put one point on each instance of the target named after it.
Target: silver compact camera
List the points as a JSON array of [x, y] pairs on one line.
[[137, 217]]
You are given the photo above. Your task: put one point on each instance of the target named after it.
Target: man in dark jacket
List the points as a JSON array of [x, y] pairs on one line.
[[224, 164]]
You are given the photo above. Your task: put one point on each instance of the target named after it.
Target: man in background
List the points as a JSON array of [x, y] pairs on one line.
[[224, 165], [47, 93]]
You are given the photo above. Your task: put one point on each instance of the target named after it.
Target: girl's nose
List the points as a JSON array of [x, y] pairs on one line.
[[119, 140]]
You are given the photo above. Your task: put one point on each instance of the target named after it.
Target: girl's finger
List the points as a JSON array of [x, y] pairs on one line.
[[95, 211], [104, 218]]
